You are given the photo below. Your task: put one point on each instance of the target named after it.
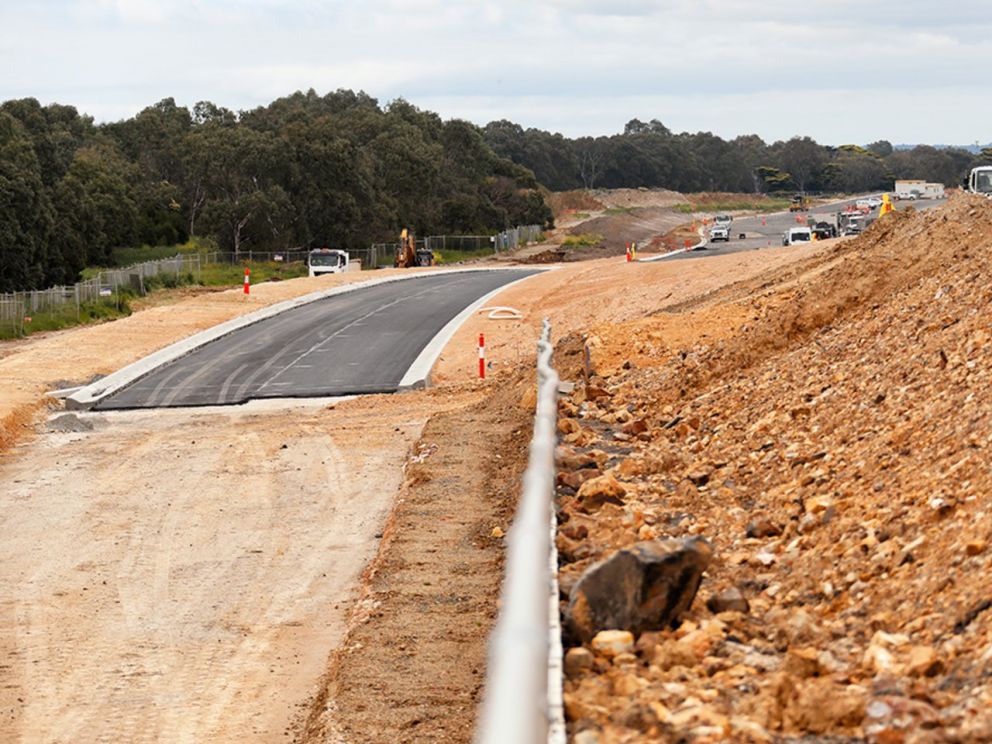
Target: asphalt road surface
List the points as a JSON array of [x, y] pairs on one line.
[[358, 342], [767, 231]]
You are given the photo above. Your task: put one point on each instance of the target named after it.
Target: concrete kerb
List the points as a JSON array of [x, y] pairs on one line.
[[418, 376], [89, 395]]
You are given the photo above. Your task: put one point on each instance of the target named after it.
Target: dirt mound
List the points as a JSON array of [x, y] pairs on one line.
[[619, 228], [638, 198], [834, 452], [565, 203]]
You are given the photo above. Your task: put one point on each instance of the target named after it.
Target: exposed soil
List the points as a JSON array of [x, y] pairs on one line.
[[216, 642], [638, 225], [412, 667], [182, 575], [832, 450]]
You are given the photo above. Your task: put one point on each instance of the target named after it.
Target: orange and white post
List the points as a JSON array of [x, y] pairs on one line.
[[247, 281], [482, 356], [629, 256]]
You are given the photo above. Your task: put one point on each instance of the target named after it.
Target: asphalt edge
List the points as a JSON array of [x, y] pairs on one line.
[[90, 395], [418, 376]]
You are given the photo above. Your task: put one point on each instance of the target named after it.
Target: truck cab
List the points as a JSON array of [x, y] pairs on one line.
[[980, 180], [797, 235], [327, 261]]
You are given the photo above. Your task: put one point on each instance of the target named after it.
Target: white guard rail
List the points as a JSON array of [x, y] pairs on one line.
[[523, 696]]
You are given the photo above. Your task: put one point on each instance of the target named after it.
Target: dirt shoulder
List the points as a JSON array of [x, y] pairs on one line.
[[599, 294], [413, 665], [181, 576]]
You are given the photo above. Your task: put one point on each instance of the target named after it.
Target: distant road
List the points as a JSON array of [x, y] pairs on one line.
[[770, 233], [358, 342]]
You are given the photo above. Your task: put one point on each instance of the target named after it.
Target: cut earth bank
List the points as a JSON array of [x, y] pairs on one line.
[[834, 453]]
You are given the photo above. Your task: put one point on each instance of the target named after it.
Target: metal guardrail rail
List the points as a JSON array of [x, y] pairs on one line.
[[523, 697]]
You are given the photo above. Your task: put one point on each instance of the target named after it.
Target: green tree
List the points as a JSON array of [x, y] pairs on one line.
[[25, 213], [96, 211]]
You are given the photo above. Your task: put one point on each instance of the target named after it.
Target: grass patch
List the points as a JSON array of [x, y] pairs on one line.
[[730, 205], [140, 254], [619, 210], [582, 240], [66, 316], [118, 306], [223, 275], [446, 256]]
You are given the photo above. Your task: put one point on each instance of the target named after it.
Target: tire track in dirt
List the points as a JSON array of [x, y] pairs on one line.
[[182, 576]]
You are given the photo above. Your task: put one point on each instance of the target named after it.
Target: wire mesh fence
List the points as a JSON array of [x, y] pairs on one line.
[[16, 308], [289, 256], [382, 254]]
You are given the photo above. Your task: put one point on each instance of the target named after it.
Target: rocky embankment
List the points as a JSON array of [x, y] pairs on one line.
[[823, 476]]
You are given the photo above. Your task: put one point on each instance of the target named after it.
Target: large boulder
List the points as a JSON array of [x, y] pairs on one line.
[[647, 586]]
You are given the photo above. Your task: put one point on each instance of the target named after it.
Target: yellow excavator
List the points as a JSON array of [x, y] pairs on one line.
[[407, 253]]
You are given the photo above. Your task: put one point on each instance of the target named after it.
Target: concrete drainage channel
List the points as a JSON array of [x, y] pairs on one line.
[[523, 693], [417, 376]]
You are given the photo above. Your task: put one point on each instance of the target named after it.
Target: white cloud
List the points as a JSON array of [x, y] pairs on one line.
[[830, 68]]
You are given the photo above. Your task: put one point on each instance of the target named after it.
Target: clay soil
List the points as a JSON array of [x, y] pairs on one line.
[[832, 450]]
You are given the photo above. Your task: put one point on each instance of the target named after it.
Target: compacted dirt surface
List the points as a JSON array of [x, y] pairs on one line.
[[832, 450], [181, 576]]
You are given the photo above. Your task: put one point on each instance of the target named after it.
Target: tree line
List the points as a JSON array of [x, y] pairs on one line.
[[343, 170], [649, 154], [306, 170]]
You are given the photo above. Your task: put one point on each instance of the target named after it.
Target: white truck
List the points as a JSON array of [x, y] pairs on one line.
[[327, 261], [917, 188], [796, 235], [910, 189], [980, 181]]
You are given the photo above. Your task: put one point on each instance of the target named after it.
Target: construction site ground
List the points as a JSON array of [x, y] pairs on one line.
[[329, 571], [190, 575]]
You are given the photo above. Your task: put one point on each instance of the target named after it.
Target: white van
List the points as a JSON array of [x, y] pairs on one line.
[[795, 235], [327, 261]]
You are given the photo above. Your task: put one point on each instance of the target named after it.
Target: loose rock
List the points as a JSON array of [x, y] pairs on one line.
[[645, 587]]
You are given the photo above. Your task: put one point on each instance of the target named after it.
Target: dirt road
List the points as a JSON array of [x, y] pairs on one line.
[[177, 576]]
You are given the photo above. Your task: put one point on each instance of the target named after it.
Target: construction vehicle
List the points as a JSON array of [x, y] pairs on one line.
[[980, 180], [800, 203], [326, 261], [853, 221], [408, 254]]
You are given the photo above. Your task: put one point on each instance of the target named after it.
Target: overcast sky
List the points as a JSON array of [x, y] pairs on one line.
[[838, 70]]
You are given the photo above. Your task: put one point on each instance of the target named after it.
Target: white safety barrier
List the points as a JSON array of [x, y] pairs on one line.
[[523, 697]]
